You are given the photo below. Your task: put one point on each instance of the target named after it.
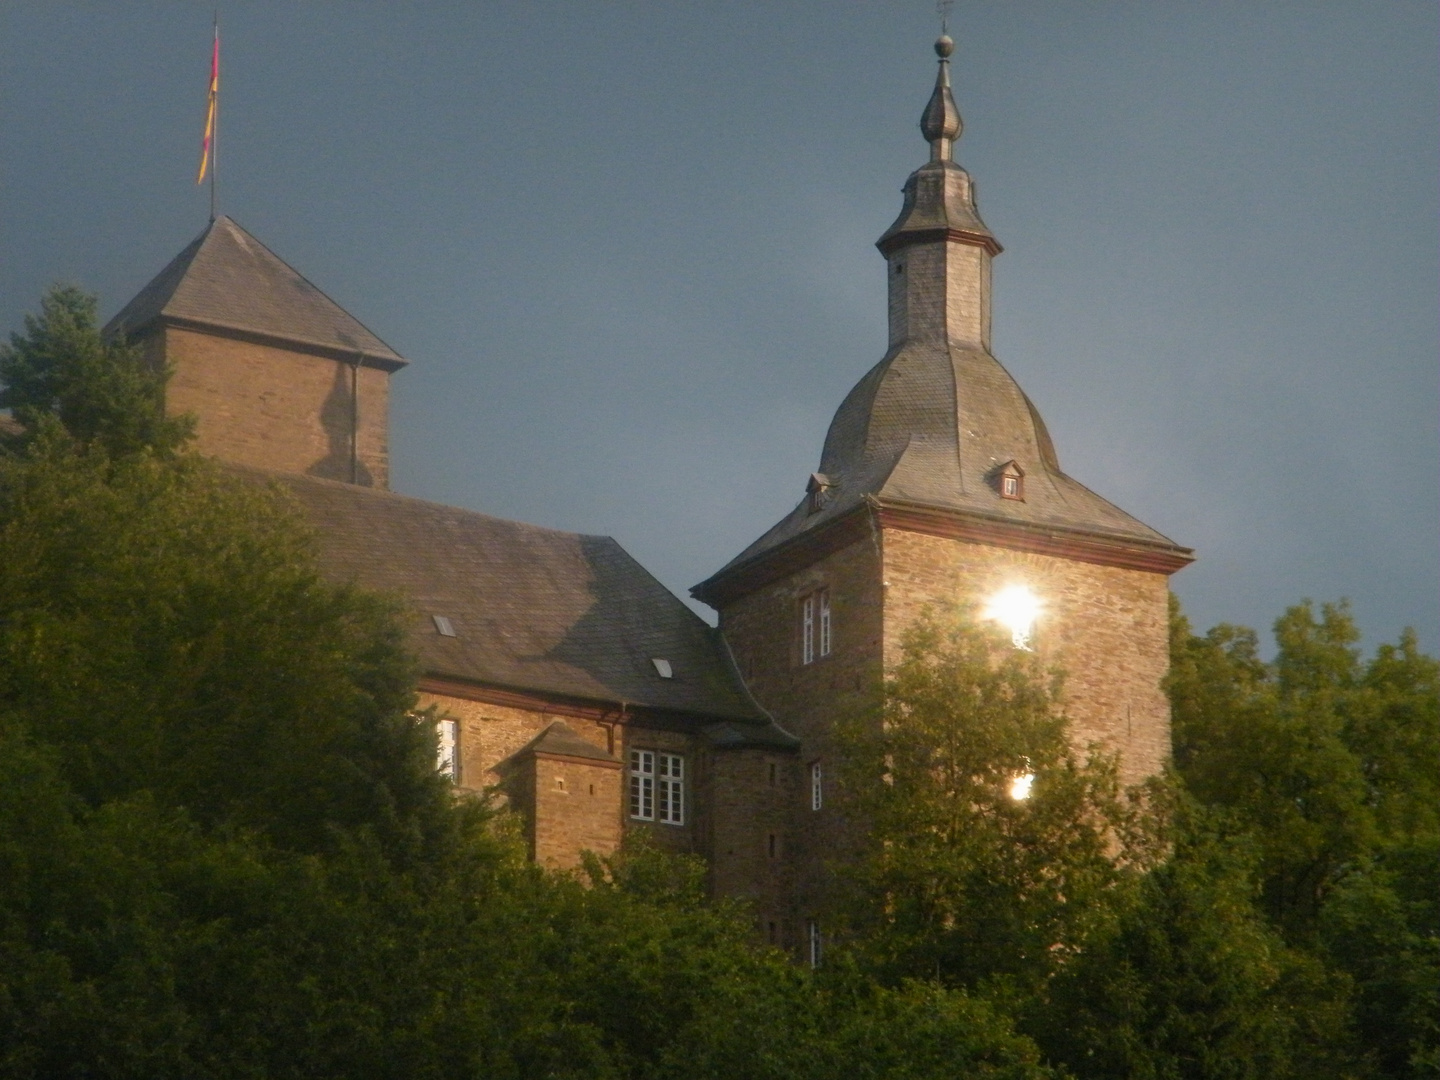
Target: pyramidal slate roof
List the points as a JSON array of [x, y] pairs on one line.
[[228, 281], [531, 609]]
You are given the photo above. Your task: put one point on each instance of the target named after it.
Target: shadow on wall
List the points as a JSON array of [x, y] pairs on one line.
[[340, 420]]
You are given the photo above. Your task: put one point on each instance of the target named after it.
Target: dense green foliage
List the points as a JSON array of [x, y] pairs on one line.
[[960, 881], [61, 375], [225, 852], [1269, 909]]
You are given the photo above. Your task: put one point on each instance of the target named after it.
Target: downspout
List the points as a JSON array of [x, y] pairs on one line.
[[355, 418]]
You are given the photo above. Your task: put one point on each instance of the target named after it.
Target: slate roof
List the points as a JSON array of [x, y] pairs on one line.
[[533, 609], [560, 738], [227, 280], [930, 426]]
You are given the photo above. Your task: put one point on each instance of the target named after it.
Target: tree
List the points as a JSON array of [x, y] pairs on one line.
[[1189, 980], [61, 375], [1328, 766], [961, 881]]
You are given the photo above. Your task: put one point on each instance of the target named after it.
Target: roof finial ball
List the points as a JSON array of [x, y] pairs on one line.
[[940, 123]]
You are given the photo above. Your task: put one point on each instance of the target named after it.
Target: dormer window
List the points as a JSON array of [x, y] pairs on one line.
[[818, 490], [1010, 481]]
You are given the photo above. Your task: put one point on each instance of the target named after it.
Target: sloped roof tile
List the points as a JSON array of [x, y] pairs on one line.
[[227, 280], [533, 609]]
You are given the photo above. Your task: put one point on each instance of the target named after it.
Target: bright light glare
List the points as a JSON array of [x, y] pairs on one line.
[[1020, 787], [1015, 608]]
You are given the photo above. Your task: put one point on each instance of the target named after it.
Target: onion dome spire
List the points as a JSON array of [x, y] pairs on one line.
[[940, 123]]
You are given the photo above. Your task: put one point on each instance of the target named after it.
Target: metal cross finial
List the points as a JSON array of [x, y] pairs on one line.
[[942, 8]]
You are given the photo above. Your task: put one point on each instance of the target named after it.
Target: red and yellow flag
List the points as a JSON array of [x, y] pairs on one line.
[[207, 145]]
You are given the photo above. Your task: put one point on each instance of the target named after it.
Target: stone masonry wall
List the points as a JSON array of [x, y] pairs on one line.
[[272, 408], [750, 799], [573, 810], [763, 630], [563, 819], [1107, 628]]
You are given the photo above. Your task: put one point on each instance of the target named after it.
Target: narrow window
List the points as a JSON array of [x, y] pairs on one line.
[[772, 845], [817, 792], [642, 785], [447, 761], [672, 789], [812, 938], [823, 603], [773, 934], [807, 629], [772, 774]]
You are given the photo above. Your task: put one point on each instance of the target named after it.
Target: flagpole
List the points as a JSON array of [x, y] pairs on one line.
[[215, 134]]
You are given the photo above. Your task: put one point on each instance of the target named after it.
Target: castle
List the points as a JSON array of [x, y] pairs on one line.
[[567, 678]]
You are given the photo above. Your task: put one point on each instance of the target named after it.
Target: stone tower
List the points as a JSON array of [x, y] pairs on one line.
[[276, 373], [938, 482]]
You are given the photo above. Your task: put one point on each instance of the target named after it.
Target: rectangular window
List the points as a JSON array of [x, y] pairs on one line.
[[642, 785], [817, 793], [807, 629], [815, 626], [812, 939], [672, 789], [447, 761]]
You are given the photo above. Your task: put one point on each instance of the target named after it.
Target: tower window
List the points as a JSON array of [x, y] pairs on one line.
[[817, 791], [815, 626], [817, 491], [812, 939], [1010, 481]]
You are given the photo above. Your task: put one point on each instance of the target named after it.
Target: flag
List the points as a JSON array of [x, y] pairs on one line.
[[207, 145]]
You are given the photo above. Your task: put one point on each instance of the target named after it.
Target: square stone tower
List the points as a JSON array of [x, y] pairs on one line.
[[277, 375], [939, 483]]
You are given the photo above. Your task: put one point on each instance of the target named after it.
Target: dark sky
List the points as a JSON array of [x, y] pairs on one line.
[[629, 247]]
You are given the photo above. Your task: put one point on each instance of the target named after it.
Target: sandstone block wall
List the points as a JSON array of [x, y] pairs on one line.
[[273, 408], [1107, 627], [763, 631], [563, 815], [572, 809], [750, 799]]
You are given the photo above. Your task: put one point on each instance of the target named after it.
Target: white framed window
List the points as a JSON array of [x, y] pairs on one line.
[[812, 941], [657, 787], [642, 785], [672, 789], [807, 629], [447, 744], [815, 626], [817, 786]]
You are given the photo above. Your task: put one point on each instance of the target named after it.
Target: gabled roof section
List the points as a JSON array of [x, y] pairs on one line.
[[228, 282], [534, 610]]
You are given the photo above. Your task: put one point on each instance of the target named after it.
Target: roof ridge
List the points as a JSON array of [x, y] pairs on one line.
[[386, 493]]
